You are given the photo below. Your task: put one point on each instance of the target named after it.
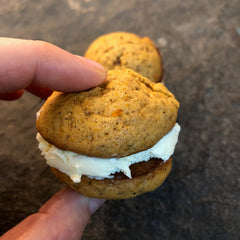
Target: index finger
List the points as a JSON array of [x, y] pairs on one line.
[[27, 64]]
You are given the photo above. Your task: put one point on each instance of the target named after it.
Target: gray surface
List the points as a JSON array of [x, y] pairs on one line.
[[200, 44]]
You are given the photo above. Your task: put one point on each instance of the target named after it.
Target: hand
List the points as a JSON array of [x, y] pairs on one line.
[[63, 217], [40, 68]]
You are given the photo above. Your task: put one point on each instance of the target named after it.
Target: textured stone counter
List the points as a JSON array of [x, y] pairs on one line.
[[200, 46]]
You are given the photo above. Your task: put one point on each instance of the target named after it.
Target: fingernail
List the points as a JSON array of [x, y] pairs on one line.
[[94, 204]]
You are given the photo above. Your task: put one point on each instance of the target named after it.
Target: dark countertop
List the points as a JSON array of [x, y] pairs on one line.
[[200, 45]]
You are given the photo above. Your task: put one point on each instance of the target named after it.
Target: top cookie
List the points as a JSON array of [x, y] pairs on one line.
[[121, 50], [125, 115]]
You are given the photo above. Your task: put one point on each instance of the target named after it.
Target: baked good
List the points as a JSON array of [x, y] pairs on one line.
[[113, 141], [121, 50], [146, 177]]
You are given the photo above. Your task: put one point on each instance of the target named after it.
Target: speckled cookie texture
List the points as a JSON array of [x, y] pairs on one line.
[[121, 50], [125, 115], [146, 177]]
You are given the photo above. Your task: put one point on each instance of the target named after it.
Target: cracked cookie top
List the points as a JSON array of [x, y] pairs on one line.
[[121, 50], [125, 115]]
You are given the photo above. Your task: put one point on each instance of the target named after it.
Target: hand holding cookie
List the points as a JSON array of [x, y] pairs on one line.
[[41, 67]]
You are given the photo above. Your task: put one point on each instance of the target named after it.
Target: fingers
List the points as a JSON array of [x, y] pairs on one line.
[[41, 92], [33, 64], [63, 217], [12, 95]]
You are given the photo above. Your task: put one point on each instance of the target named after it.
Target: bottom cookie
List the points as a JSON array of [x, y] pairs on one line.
[[146, 177]]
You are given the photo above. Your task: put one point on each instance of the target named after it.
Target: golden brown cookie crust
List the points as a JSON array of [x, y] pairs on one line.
[[125, 115], [120, 50], [122, 187]]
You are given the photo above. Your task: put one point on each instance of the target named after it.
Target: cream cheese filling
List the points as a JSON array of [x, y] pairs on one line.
[[75, 165]]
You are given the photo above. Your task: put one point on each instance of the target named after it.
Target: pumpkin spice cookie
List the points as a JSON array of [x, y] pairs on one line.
[[113, 141], [121, 50]]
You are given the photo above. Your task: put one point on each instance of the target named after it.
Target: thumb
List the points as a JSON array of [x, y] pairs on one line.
[[63, 217]]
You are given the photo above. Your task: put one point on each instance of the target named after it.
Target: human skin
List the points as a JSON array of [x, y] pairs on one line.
[[40, 68]]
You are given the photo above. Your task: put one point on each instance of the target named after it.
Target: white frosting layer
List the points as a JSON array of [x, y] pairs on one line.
[[75, 165]]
